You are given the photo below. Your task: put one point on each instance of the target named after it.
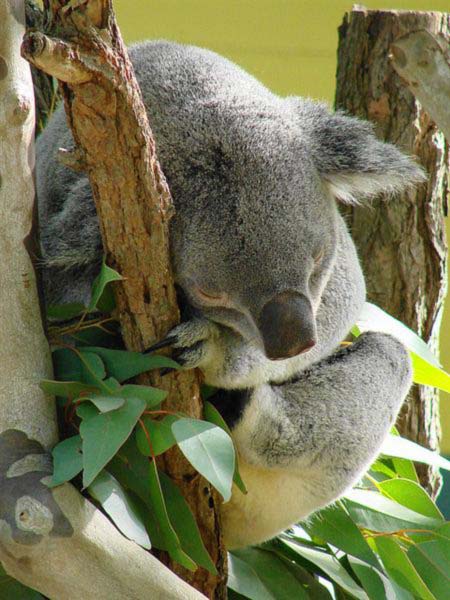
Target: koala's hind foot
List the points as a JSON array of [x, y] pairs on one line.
[[192, 341]]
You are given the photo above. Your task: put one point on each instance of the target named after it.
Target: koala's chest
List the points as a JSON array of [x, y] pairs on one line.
[[275, 500]]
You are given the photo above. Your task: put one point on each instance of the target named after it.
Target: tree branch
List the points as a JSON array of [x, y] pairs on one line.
[[110, 126]]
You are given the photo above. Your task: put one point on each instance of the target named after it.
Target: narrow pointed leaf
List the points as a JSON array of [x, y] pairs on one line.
[[412, 495], [114, 500], [395, 445], [106, 275]]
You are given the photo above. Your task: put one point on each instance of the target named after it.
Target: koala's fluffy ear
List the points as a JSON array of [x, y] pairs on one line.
[[352, 161]]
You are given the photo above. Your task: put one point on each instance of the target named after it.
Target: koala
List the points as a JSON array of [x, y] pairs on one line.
[[266, 267]]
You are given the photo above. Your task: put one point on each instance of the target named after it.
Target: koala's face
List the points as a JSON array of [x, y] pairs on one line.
[[256, 252]]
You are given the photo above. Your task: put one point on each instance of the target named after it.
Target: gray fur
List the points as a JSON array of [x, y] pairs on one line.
[[254, 179]]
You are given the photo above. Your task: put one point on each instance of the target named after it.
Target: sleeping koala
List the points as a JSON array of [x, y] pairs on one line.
[[267, 267]]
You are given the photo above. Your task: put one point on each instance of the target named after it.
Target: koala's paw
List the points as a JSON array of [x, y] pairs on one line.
[[192, 342]]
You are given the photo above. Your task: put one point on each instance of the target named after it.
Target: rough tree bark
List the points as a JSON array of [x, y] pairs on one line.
[[84, 50], [401, 242], [52, 540]]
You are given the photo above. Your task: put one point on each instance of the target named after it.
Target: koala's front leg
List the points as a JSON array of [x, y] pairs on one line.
[[328, 424]]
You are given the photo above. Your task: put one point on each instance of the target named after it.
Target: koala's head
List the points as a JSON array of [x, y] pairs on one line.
[[256, 231]]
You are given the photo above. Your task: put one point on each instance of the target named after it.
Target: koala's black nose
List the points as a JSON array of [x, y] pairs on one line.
[[287, 325]]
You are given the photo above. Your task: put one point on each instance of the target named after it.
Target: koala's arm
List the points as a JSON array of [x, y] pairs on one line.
[[329, 423]]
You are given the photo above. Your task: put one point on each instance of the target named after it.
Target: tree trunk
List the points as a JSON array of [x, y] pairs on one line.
[[401, 242], [109, 124]]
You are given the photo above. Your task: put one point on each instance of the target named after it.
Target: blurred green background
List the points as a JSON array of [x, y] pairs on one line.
[[290, 45]]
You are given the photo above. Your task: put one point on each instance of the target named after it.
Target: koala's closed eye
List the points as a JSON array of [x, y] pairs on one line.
[[318, 255], [211, 298]]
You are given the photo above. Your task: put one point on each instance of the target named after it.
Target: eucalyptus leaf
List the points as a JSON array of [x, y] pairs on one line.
[[105, 433], [67, 389], [395, 445], [123, 364], [160, 434], [400, 567], [106, 275], [243, 579], [119, 506], [378, 503], [209, 449], [329, 565], [411, 495], [376, 584], [373, 318], [273, 573], [212, 415], [433, 565], [335, 526], [63, 312], [426, 373], [67, 460], [183, 522]]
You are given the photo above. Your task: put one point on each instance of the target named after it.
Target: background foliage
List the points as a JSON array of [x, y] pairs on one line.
[[385, 539]]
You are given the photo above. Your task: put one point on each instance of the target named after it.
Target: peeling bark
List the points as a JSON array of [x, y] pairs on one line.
[[401, 242], [82, 47]]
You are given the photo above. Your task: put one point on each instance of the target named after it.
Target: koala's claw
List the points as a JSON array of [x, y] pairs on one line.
[[189, 340]]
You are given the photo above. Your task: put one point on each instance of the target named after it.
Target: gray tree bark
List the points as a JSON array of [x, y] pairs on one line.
[[401, 241]]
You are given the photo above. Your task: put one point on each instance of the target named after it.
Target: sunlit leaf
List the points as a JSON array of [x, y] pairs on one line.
[[426, 373], [411, 495], [209, 449], [373, 318], [395, 445], [114, 500]]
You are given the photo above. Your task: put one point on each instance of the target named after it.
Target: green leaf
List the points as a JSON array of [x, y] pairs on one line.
[[412, 495], [377, 586], [66, 389], [160, 433], [105, 433], [105, 403], [395, 445], [335, 527], [273, 573], [119, 506], [212, 415], [243, 579], [124, 365], [105, 276], [67, 460], [426, 373], [63, 312], [140, 475], [183, 522], [86, 411], [150, 395], [210, 450], [400, 568], [11, 589], [329, 565], [76, 365], [167, 532], [378, 503], [373, 318], [433, 565]]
